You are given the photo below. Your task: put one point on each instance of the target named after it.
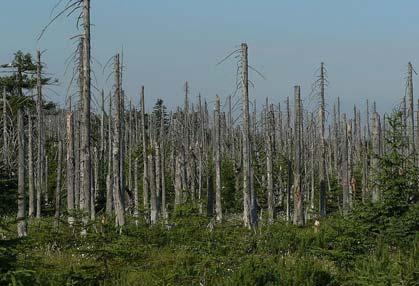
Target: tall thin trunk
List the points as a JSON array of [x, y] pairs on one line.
[[410, 112], [70, 163], [269, 137], [5, 136], [217, 160], [322, 197], [85, 156], [248, 220], [58, 186], [109, 177], [116, 159], [136, 213], [40, 130], [298, 179], [30, 168], [21, 215], [145, 164]]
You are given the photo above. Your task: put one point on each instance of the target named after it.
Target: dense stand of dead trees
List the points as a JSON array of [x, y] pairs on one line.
[[283, 161]]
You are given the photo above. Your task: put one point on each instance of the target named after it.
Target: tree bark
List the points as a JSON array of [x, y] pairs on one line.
[[217, 160], [298, 218], [70, 163], [21, 216]]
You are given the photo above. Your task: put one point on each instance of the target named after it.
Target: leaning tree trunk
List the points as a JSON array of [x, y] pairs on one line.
[[217, 160], [21, 217], [410, 113], [322, 197]]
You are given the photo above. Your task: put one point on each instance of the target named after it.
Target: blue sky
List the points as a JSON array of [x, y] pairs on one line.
[[366, 45]]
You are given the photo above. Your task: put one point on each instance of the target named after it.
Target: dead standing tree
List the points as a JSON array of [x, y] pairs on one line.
[[250, 218], [298, 218], [21, 213], [217, 160], [116, 154], [85, 156]]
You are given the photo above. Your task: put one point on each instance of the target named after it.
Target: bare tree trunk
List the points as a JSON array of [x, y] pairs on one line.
[[145, 165], [136, 191], [152, 185], [162, 161], [21, 216], [375, 153], [116, 159], [5, 137], [247, 158], [178, 181], [58, 186], [30, 168], [322, 197], [217, 160], [298, 180], [40, 135], [95, 183], [46, 190], [345, 168], [410, 112], [70, 164], [85, 156], [109, 176], [269, 136]]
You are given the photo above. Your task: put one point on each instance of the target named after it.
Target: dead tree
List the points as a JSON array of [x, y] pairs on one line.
[[58, 186], [85, 156], [21, 213], [30, 168], [109, 177], [410, 111], [40, 139], [375, 153], [298, 218], [116, 154], [248, 219], [269, 137], [217, 160], [322, 197], [70, 163], [145, 164]]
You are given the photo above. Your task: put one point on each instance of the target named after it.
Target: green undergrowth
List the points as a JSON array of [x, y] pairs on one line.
[[189, 251]]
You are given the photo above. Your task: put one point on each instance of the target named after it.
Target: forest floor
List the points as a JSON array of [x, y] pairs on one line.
[[191, 250]]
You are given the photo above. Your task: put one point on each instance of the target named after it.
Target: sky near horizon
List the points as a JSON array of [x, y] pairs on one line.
[[365, 44]]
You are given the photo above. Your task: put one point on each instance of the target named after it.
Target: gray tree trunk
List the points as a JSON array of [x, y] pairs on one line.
[[116, 158], [217, 160], [21, 215], [322, 197], [40, 139], [30, 168], [85, 156], [70, 163], [58, 186], [247, 158], [298, 218]]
